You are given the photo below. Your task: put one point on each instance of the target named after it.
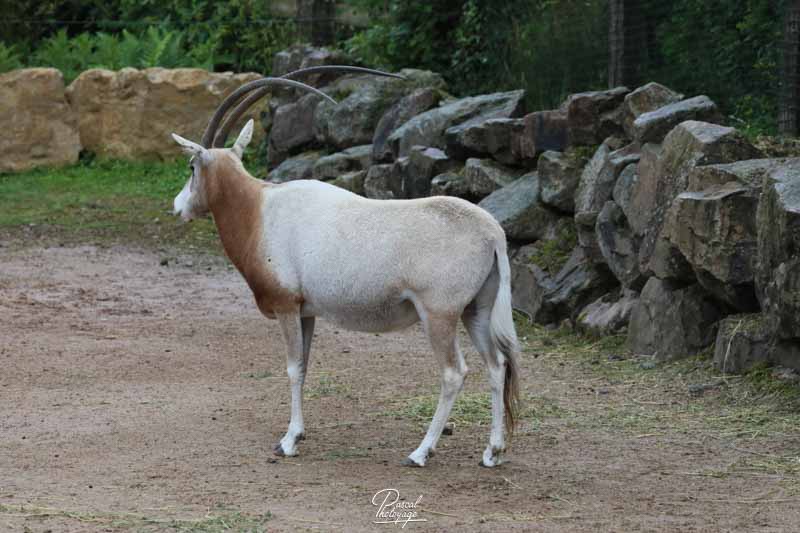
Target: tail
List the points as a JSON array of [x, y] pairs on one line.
[[504, 337]]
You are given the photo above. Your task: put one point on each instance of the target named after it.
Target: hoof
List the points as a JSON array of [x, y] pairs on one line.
[[278, 450], [408, 461], [491, 458]]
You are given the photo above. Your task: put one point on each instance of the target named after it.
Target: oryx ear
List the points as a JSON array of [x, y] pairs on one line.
[[244, 139], [188, 146]]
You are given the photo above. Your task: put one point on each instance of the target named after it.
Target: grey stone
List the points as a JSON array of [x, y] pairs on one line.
[[608, 315], [518, 210], [292, 128], [619, 246], [362, 102], [428, 128], [654, 125], [423, 165], [623, 189], [559, 176], [529, 283], [599, 177], [782, 301], [590, 115], [299, 167], [537, 133], [672, 320], [451, 184], [351, 181], [643, 191], [484, 176], [645, 99], [405, 109], [383, 182], [778, 220], [579, 282], [352, 159], [715, 229], [746, 340], [688, 145]]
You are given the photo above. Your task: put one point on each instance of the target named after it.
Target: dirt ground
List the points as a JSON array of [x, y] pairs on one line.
[[142, 396]]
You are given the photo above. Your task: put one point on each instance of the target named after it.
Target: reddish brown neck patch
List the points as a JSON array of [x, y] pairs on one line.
[[236, 199]]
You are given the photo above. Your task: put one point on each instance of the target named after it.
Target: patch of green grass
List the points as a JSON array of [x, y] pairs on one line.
[[328, 386], [103, 201], [261, 374], [226, 522], [551, 255], [348, 453]]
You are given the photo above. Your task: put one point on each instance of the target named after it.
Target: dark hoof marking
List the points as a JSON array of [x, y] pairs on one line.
[[408, 461], [301, 436], [278, 450]]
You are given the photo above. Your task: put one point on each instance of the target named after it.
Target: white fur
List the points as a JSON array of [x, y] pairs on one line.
[[380, 265]]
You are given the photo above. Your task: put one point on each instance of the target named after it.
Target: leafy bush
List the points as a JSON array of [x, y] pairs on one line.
[[9, 58], [155, 47]]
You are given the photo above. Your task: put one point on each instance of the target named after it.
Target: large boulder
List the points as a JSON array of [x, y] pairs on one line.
[[518, 210], [428, 128], [405, 109], [645, 99], [362, 102], [599, 177], [130, 113], [384, 182], [654, 125], [592, 116], [778, 220], [529, 284], [292, 128], [39, 127], [619, 246], [423, 165], [351, 181], [608, 315], [559, 176], [537, 133], [304, 56], [714, 227], [782, 301], [688, 145], [623, 189], [452, 183], [495, 137], [747, 340], [672, 321], [350, 160], [579, 282], [484, 176], [299, 167]]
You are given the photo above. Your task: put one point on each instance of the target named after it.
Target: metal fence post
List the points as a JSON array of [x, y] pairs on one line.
[[789, 112]]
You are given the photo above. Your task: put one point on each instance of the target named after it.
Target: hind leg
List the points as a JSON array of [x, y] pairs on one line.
[[441, 331], [476, 319]]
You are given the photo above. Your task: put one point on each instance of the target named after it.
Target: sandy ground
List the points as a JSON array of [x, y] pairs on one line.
[[128, 386]]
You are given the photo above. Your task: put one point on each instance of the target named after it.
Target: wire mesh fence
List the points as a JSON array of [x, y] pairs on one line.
[[744, 54]]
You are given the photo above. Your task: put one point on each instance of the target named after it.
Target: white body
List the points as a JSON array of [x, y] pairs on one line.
[[309, 249]]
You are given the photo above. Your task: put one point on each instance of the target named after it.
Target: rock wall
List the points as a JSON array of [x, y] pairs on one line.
[[126, 114], [39, 126], [626, 210]]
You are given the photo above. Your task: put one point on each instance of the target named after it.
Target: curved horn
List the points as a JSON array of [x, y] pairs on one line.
[[208, 134], [340, 68], [222, 135]]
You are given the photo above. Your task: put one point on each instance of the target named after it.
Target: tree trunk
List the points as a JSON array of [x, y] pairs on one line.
[[316, 21]]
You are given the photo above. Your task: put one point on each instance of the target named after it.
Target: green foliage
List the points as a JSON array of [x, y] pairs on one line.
[[729, 50], [156, 47], [9, 58]]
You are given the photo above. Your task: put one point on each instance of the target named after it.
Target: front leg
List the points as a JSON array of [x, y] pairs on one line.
[[297, 333]]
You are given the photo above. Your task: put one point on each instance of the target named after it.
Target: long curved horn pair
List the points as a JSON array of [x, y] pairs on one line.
[[259, 88]]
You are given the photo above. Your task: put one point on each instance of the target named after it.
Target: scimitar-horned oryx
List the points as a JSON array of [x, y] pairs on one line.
[[308, 249]]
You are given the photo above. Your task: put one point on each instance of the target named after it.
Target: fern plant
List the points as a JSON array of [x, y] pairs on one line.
[[9, 58]]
